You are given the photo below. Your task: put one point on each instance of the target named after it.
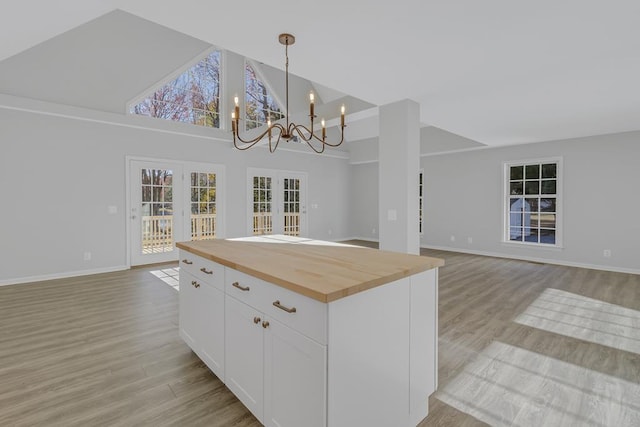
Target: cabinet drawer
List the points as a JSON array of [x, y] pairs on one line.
[[303, 314], [243, 287], [203, 269]]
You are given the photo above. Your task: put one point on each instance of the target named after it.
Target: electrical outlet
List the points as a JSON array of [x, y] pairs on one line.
[[373, 231], [330, 232], [87, 256], [470, 240], [453, 238], [607, 253]]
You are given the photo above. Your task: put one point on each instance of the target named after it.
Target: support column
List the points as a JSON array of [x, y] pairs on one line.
[[399, 165]]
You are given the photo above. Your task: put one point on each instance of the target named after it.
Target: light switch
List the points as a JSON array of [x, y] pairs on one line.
[[392, 215], [112, 210]]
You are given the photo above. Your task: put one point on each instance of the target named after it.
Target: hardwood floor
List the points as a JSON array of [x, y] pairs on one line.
[[520, 344]]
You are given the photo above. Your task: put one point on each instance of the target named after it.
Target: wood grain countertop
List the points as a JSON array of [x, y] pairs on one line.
[[324, 271]]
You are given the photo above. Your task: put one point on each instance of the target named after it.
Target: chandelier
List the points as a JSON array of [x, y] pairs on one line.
[[289, 131]]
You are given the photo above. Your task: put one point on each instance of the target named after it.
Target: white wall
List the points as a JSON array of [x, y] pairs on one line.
[[59, 174], [463, 198]]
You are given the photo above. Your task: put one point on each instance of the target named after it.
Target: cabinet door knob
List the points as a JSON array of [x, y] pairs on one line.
[[205, 271], [186, 261], [282, 307], [265, 324], [195, 284], [242, 288], [256, 320]]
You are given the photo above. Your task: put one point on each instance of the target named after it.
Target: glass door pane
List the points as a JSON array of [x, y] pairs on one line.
[[203, 205], [262, 205], [156, 210], [291, 206]]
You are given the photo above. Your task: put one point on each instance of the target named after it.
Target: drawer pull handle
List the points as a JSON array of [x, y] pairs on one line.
[[242, 288], [265, 324], [186, 261], [195, 284], [282, 307], [205, 271], [256, 320]]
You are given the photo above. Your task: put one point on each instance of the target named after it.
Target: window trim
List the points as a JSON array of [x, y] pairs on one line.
[[506, 165]]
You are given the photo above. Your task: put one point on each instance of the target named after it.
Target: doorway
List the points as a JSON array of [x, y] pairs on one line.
[[277, 202]]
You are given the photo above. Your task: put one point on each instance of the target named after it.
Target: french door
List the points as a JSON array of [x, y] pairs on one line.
[[155, 211], [277, 202], [171, 202]]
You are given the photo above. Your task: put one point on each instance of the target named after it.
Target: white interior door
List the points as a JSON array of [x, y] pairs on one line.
[[155, 211], [277, 202]]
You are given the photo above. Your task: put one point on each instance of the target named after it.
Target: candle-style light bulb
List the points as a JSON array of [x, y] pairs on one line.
[[236, 110], [269, 127], [311, 103], [233, 115], [342, 116], [324, 130]]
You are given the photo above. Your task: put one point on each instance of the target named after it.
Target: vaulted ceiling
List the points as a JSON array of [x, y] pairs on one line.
[[496, 71]]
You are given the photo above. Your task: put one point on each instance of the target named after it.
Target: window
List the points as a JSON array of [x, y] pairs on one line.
[[532, 202], [420, 200], [259, 105], [193, 97]]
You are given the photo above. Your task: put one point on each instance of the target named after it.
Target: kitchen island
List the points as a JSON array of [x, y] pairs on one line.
[[313, 333]]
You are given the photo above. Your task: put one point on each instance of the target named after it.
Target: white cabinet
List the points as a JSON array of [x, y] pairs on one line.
[[245, 354], [201, 316], [276, 372], [294, 378]]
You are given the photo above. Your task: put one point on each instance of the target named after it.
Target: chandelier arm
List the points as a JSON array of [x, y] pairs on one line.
[[314, 136], [338, 143], [254, 141], [308, 141]]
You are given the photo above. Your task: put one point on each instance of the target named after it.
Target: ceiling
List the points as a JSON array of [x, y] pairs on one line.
[[497, 71]]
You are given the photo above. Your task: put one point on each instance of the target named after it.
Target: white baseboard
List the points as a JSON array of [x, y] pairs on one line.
[[65, 275], [366, 239], [535, 259]]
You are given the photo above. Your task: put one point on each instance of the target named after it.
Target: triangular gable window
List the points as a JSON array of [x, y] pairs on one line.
[[193, 97], [259, 104]]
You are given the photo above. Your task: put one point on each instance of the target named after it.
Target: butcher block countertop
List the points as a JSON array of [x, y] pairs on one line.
[[321, 270]]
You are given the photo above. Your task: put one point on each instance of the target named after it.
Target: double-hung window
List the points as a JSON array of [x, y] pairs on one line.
[[532, 202]]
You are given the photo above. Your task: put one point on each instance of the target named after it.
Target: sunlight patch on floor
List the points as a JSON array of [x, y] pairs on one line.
[[584, 318], [170, 276], [510, 386]]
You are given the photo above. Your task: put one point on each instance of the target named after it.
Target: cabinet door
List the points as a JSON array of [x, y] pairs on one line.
[[188, 325], [210, 327], [295, 378], [244, 354]]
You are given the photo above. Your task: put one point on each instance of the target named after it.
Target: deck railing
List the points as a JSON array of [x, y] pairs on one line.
[[157, 234], [157, 230], [203, 226], [262, 223]]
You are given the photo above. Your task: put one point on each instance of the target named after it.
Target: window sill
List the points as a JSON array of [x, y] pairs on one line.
[[536, 246]]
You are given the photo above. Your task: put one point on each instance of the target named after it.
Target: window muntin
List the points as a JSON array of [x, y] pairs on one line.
[[532, 202], [259, 104], [192, 97]]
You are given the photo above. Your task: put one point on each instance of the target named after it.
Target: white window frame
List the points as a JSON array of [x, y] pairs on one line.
[[559, 202]]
